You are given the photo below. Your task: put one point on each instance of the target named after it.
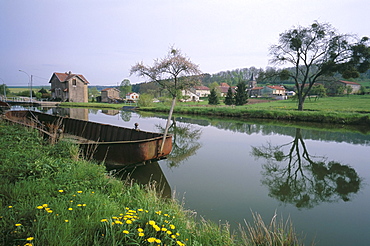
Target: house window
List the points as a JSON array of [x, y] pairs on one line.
[[74, 82]]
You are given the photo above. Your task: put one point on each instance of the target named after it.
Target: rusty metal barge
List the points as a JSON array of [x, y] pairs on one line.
[[116, 146]]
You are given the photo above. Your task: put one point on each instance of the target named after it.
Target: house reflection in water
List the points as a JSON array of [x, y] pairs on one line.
[[110, 111], [75, 113]]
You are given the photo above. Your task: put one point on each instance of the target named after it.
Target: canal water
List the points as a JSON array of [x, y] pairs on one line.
[[225, 170]]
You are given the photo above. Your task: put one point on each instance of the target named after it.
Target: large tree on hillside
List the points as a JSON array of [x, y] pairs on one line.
[[174, 72], [317, 51], [125, 87]]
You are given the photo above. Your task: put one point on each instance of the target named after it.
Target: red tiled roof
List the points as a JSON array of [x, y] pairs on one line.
[[107, 89], [276, 87], [349, 82], [224, 89], [63, 77], [201, 88], [224, 85]]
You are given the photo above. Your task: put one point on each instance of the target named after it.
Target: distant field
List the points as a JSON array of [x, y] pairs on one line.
[[19, 89], [352, 103]]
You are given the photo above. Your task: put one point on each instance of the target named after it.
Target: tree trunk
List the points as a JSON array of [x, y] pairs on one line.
[[168, 122], [300, 102]]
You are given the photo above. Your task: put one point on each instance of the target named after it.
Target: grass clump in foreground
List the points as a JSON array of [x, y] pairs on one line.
[[49, 196]]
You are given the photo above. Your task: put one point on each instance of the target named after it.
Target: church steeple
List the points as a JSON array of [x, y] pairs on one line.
[[252, 82]]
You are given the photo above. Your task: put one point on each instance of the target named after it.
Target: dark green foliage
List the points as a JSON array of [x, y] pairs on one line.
[[229, 99], [212, 98], [241, 96]]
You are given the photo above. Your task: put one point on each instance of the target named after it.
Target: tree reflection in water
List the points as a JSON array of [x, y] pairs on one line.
[[298, 178], [184, 142]]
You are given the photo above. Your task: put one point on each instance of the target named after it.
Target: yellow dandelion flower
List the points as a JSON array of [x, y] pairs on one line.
[[180, 243], [92, 192], [61, 191], [173, 236], [125, 232], [103, 220], [44, 205], [10, 206], [140, 210], [140, 230], [66, 221], [177, 234], [30, 238], [151, 239], [164, 229], [70, 209], [28, 244], [39, 207], [158, 240], [169, 232], [151, 222], [47, 209], [128, 221], [118, 222], [79, 205], [157, 228], [79, 191], [141, 234], [172, 227], [18, 224], [50, 211], [84, 205]]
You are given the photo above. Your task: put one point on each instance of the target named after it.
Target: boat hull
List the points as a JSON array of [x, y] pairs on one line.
[[114, 145]]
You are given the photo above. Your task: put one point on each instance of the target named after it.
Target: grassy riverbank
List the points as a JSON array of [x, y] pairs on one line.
[[345, 110], [352, 110], [50, 196]]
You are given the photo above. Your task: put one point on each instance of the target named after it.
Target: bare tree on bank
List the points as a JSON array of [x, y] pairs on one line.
[[174, 72], [317, 51]]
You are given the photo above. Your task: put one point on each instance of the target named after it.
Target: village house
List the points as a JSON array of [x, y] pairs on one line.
[[132, 96], [110, 95], [189, 96], [69, 87], [355, 86], [224, 87], [202, 91]]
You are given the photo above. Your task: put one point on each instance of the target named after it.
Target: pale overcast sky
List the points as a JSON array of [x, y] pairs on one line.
[[102, 39]]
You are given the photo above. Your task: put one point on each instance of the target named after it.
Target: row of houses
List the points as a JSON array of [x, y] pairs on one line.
[[253, 90], [74, 88]]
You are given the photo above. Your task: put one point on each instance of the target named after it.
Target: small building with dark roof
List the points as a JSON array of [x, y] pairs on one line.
[[69, 87]]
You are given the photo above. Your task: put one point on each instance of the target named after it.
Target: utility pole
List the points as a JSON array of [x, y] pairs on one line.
[[30, 83]]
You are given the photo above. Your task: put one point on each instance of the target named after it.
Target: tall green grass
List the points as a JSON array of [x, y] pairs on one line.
[[50, 196]]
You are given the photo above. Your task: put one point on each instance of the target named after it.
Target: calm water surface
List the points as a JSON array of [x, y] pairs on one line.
[[225, 170]]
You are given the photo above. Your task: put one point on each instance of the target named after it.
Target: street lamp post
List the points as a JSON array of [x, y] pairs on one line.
[[30, 79], [4, 89]]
